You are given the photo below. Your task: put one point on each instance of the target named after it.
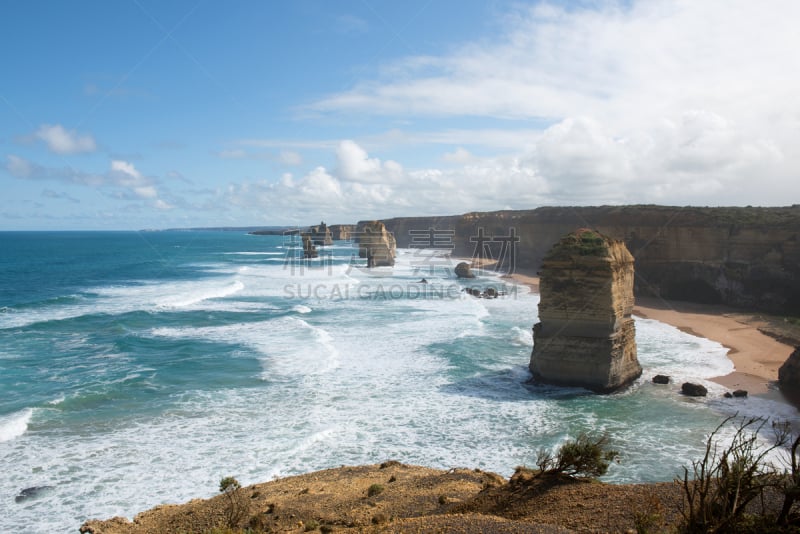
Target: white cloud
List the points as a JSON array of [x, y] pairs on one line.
[[556, 63], [61, 141], [390, 190], [656, 101], [579, 160], [459, 155], [318, 185], [122, 180], [355, 165], [126, 176]]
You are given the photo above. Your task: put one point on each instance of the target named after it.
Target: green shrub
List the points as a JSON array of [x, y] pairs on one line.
[[374, 489], [583, 457], [228, 484], [237, 504]]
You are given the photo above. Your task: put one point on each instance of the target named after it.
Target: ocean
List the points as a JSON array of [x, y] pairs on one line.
[[139, 368]]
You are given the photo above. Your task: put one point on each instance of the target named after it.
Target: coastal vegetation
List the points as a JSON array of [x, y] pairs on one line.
[[584, 457], [237, 505]]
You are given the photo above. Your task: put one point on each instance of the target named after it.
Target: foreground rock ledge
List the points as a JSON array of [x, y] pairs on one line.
[[415, 499], [586, 336]]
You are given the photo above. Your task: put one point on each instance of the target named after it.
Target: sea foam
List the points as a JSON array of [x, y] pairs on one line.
[[15, 424]]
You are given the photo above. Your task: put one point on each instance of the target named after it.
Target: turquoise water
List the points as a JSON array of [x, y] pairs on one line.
[[139, 368]]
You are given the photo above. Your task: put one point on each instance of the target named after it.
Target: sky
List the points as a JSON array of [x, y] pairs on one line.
[[145, 114]]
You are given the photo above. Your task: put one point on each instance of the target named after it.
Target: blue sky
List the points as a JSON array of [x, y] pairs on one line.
[[144, 114]]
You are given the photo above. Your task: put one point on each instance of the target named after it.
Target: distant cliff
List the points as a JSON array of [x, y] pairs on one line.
[[745, 257]]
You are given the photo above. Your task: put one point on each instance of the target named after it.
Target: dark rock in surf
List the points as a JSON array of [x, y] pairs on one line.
[[31, 493], [463, 270], [693, 390], [789, 377]]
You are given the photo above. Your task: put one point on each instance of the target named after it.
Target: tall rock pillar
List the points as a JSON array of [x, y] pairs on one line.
[[376, 244], [585, 335]]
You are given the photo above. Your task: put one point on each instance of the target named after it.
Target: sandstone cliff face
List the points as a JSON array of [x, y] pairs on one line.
[[746, 257], [586, 336], [376, 244]]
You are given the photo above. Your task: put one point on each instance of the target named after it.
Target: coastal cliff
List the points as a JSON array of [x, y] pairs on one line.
[[745, 257], [586, 335]]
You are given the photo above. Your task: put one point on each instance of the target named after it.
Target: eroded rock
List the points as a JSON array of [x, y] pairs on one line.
[[586, 335], [321, 235], [691, 389], [464, 270], [789, 377], [309, 249], [376, 244]]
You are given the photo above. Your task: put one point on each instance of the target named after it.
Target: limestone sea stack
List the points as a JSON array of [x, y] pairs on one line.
[[342, 232], [309, 248], [376, 244], [585, 335], [321, 235]]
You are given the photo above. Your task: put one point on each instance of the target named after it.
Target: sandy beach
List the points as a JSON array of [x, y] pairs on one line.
[[755, 355]]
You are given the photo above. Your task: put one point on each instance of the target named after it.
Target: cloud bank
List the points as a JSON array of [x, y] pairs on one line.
[[659, 101], [121, 181]]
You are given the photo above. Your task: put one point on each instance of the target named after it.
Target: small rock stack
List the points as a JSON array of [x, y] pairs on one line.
[[321, 235], [586, 335]]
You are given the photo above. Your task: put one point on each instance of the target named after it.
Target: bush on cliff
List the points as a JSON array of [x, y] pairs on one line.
[[583, 457], [237, 506], [721, 490]]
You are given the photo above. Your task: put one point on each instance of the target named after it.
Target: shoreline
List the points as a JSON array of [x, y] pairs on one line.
[[756, 356]]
